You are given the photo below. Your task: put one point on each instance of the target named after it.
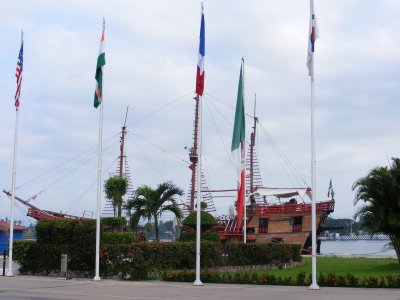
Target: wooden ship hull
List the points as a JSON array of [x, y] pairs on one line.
[[288, 223]]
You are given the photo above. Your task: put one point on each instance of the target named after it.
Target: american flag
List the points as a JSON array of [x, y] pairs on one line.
[[18, 74]]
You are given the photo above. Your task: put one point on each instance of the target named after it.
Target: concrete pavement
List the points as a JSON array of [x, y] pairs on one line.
[[36, 287]]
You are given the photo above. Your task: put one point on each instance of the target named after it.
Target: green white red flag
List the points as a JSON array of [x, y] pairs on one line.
[[101, 61], [238, 139]]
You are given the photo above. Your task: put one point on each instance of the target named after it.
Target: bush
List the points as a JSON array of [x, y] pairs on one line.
[[206, 220], [120, 256], [302, 279], [116, 238], [265, 278], [113, 222], [136, 261], [55, 237], [36, 258], [207, 236], [69, 232], [257, 254]]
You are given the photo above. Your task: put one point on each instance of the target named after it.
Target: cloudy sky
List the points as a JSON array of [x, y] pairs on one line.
[[151, 54]]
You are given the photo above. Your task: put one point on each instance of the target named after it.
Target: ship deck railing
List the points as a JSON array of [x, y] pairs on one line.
[[287, 208]]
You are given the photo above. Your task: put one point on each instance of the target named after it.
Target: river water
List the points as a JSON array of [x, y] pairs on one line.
[[360, 247]]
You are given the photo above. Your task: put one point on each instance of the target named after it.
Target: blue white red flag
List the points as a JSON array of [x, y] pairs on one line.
[[18, 74], [200, 62], [312, 36]]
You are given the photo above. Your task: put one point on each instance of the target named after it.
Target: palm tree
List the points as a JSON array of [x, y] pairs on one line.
[[380, 192], [150, 203]]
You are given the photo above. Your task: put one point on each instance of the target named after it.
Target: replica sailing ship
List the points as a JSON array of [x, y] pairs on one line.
[[280, 215], [287, 220]]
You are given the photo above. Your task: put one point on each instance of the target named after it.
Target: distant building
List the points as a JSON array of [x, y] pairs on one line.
[[4, 234]]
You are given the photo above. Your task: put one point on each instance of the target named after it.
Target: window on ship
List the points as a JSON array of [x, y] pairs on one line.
[[296, 222], [263, 225]]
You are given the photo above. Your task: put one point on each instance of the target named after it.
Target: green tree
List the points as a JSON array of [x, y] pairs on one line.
[[115, 188], [380, 192], [206, 220], [150, 203]]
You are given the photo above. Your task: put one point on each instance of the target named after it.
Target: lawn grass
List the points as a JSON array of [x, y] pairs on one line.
[[331, 271], [357, 266]]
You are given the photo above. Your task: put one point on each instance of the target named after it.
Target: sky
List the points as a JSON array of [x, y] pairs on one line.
[[151, 55]]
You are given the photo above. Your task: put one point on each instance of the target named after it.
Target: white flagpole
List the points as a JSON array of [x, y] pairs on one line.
[[13, 182], [198, 205], [100, 150], [314, 285], [243, 162], [99, 185], [197, 281], [14, 173]]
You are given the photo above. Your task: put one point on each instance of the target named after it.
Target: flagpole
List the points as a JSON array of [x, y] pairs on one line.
[[14, 173], [313, 36], [244, 169], [99, 184], [198, 205], [99, 171], [13, 182], [198, 282], [314, 285]]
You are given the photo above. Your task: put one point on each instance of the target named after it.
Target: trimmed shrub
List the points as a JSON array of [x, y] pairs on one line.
[[36, 258], [58, 232], [302, 279], [122, 257], [113, 222], [207, 236], [115, 238], [207, 220], [257, 254]]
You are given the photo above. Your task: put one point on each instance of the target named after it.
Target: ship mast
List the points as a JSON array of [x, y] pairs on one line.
[[122, 156], [193, 154], [251, 150]]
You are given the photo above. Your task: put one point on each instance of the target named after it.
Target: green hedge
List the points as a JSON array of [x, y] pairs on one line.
[[36, 258], [302, 279], [161, 256], [116, 238], [71, 232], [113, 222], [256, 254], [135, 259], [191, 237], [120, 255], [116, 259]]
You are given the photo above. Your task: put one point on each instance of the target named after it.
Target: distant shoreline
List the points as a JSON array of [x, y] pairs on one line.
[[364, 237]]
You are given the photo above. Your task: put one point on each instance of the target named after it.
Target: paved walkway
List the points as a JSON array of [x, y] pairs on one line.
[[35, 287]]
